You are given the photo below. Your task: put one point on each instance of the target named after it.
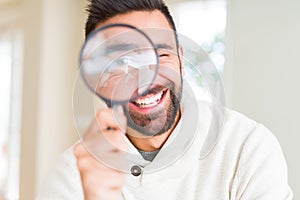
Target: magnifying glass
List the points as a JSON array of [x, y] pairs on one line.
[[119, 63]]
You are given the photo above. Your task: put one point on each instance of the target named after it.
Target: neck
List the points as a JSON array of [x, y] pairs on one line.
[[152, 143]]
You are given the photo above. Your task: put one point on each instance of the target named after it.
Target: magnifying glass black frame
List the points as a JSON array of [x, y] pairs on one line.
[[111, 102]]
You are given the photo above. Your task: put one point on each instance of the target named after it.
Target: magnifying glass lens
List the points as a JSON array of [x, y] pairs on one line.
[[119, 63]]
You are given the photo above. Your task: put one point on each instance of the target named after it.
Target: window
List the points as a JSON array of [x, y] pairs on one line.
[[204, 22], [10, 115]]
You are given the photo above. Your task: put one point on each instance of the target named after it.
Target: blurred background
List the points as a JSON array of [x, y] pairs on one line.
[[254, 44]]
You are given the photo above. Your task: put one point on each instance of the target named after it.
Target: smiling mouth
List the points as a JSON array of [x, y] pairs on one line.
[[150, 100]]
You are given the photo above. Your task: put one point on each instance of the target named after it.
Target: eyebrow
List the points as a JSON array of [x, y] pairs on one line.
[[120, 47], [128, 47], [163, 46]]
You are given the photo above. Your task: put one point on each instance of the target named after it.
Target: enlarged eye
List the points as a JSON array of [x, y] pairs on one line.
[[118, 66], [122, 61]]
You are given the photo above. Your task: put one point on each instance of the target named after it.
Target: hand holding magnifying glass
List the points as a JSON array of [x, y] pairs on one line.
[[118, 63]]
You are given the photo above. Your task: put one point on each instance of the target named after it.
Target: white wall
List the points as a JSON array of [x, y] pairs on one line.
[[53, 36], [263, 69]]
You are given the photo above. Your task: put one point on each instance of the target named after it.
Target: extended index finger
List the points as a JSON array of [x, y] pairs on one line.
[[98, 139], [111, 118]]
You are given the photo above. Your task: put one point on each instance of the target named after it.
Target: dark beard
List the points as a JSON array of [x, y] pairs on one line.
[[157, 122]]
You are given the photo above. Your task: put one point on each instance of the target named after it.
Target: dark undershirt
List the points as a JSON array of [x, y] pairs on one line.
[[149, 155]]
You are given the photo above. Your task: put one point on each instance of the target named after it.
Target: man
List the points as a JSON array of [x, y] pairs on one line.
[[244, 162]]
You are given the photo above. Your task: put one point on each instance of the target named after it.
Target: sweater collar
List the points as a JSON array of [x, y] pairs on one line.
[[187, 132]]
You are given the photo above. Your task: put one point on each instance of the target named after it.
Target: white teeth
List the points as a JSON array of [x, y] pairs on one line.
[[149, 101]]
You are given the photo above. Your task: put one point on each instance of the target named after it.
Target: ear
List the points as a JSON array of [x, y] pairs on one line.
[[181, 54]]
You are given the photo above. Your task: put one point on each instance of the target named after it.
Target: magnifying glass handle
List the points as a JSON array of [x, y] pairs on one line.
[[119, 117]]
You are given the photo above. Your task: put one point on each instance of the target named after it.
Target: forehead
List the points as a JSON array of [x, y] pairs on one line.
[[140, 19]]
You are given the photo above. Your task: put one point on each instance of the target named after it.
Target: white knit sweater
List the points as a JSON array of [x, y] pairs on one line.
[[243, 161]]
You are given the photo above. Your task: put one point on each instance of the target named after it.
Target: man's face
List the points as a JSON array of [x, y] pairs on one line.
[[156, 112]]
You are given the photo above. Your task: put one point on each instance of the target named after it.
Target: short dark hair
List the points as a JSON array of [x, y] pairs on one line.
[[101, 10]]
